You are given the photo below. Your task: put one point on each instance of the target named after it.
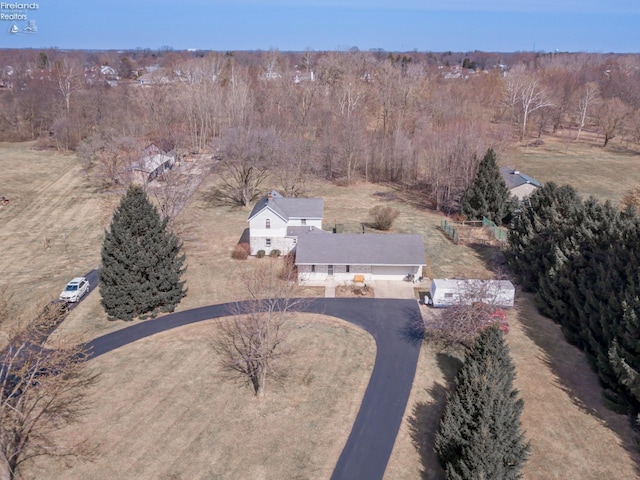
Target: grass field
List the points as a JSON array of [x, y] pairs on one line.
[[157, 413], [606, 173], [49, 230], [163, 410]]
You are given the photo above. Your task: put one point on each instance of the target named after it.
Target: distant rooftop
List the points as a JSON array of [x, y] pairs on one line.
[[514, 178]]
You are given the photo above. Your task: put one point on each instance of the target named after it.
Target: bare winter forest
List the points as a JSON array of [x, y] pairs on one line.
[[416, 120]]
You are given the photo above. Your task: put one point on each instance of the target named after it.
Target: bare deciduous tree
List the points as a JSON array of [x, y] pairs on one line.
[[110, 156], [587, 95], [247, 157], [250, 344], [42, 390], [175, 187], [462, 322], [67, 75], [610, 116]]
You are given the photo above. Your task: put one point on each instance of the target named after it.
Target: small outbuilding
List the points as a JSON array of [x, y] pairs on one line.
[[520, 185], [446, 292]]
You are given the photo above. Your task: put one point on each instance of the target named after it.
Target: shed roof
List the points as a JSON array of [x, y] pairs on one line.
[[514, 178], [152, 162], [455, 284], [288, 208], [358, 249]]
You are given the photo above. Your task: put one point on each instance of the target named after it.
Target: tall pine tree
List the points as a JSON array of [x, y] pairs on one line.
[[488, 195], [142, 263], [480, 434], [544, 222]]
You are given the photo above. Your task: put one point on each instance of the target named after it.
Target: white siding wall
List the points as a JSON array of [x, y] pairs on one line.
[[311, 222], [257, 225], [394, 272], [370, 273], [285, 245], [258, 233]]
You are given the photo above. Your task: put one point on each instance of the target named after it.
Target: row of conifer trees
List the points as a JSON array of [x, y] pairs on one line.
[[582, 260], [480, 433]]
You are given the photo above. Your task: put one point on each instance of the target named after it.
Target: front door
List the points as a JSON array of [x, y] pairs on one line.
[[330, 270]]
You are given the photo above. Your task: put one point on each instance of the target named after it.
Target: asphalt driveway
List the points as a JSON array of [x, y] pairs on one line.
[[391, 322]]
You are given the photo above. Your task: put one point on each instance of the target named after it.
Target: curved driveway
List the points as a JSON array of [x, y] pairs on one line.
[[392, 325]]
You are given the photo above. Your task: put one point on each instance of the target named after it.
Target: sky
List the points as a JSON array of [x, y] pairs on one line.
[[400, 25]]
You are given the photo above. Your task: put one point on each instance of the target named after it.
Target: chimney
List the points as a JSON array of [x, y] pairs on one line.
[[269, 196]]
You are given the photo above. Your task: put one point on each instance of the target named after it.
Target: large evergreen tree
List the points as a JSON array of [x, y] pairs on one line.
[[488, 195], [582, 259], [480, 434], [540, 228], [142, 263]]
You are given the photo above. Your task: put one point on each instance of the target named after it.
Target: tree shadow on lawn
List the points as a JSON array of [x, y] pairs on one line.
[[572, 371], [425, 419]]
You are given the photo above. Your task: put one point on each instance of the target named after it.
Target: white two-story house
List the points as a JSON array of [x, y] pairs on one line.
[[276, 222]]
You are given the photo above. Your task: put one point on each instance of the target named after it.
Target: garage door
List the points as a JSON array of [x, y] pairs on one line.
[[391, 273]]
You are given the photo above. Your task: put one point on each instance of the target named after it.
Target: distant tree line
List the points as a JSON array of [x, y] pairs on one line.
[[582, 260], [419, 120]]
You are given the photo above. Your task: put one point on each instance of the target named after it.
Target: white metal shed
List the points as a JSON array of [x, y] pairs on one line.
[[446, 292]]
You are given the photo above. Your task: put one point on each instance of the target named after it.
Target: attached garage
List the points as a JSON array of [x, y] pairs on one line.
[[392, 272], [353, 257]]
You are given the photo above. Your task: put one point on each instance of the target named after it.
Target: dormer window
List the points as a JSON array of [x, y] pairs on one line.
[[267, 223]]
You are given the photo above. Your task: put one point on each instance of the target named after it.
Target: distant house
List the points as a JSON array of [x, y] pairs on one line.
[[156, 159], [349, 257], [519, 184], [445, 292], [275, 222]]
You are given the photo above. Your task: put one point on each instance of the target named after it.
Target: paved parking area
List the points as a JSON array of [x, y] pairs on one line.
[[395, 289]]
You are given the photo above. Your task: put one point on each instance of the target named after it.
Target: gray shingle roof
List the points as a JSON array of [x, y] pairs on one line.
[[289, 208], [358, 249], [297, 231], [513, 178]]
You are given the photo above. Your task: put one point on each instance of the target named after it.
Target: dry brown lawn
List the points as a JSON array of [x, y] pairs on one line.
[[49, 230], [606, 173], [573, 436], [157, 413], [163, 409]]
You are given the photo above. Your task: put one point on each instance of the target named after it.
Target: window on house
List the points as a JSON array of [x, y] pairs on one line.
[[448, 295], [303, 221], [313, 268], [267, 223], [267, 242], [348, 268]]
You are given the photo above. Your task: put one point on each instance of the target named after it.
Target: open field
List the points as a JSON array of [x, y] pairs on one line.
[[606, 173], [51, 227], [162, 409], [157, 413]]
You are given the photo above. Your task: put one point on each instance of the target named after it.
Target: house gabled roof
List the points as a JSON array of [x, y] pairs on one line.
[[359, 249], [513, 178], [289, 208]]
